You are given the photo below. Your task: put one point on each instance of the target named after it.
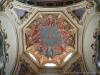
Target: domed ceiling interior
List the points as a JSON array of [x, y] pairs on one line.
[[50, 37], [56, 37]]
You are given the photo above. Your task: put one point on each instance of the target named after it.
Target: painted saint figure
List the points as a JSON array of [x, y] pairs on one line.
[[49, 52]]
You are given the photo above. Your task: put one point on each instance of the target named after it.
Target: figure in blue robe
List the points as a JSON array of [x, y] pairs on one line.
[[49, 52]]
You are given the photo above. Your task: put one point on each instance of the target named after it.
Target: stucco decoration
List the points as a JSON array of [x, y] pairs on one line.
[[96, 47], [3, 49]]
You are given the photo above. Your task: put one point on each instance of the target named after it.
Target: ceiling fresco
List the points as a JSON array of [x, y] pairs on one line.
[[55, 37], [50, 38], [20, 13], [79, 13]]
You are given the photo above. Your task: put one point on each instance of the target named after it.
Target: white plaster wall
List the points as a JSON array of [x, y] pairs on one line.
[[12, 40], [88, 40]]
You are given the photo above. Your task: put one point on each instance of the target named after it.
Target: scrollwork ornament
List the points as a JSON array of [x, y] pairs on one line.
[[95, 47], [90, 4], [4, 47]]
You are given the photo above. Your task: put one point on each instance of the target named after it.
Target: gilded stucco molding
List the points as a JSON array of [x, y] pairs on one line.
[[32, 9], [4, 4], [24, 68], [87, 6], [13, 9], [70, 67], [30, 66]]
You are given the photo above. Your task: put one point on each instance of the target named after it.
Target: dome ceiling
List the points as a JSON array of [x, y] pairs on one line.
[[50, 38]]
